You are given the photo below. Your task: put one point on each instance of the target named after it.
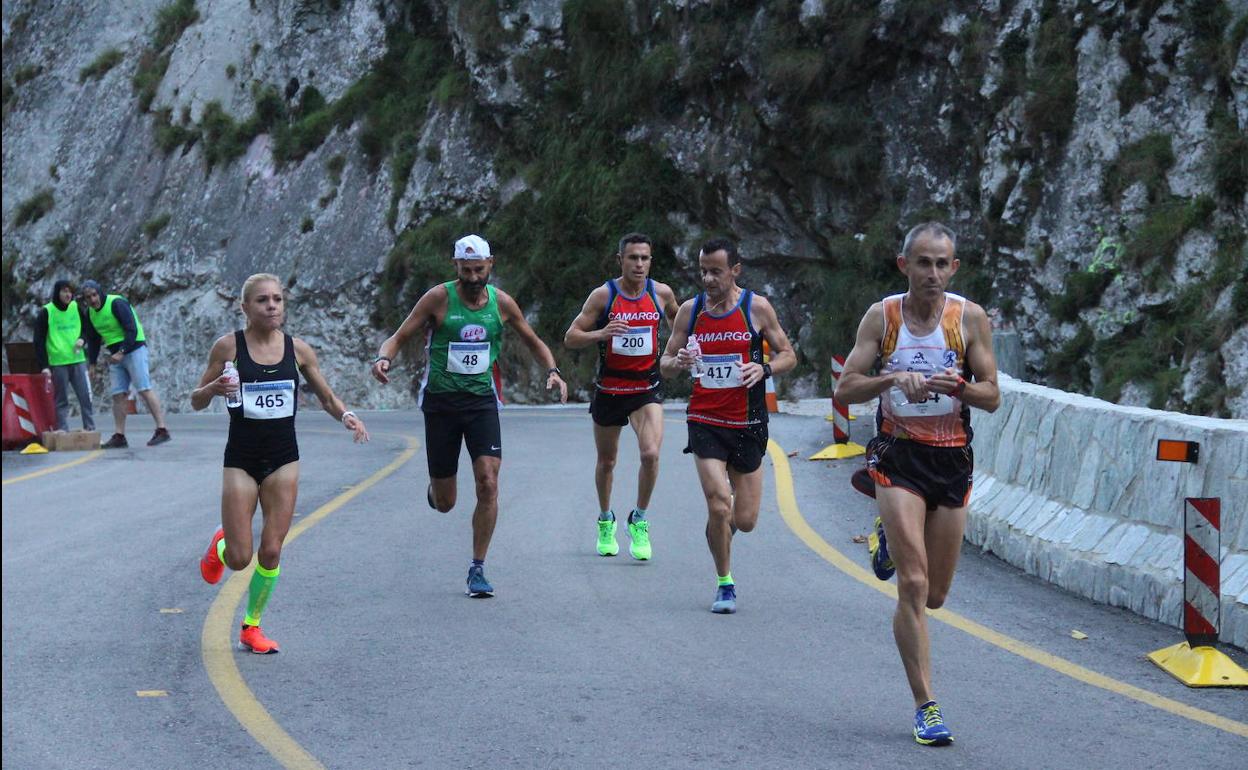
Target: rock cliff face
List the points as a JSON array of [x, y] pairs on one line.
[[1091, 155]]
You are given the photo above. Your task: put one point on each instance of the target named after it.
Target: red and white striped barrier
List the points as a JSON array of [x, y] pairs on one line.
[[841, 447], [28, 408], [1202, 595], [24, 420], [1197, 661], [840, 412]]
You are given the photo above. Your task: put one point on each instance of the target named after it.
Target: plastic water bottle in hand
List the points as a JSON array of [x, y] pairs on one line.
[[695, 350], [233, 396]]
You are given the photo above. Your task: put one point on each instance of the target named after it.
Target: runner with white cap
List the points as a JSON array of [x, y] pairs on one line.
[[463, 324]]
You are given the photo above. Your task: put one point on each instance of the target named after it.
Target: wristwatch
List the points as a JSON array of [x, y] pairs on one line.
[[553, 370], [766, 370]]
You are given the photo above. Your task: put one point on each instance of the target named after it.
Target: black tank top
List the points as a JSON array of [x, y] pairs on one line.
[[266, 420]]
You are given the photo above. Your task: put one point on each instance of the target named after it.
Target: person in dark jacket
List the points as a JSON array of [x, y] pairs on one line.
[[112, 322], [58, 348]]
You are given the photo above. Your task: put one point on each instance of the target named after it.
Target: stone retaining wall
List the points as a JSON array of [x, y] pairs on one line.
[[1067, 487]]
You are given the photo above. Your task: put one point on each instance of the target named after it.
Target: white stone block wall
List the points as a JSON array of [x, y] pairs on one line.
[[1068, 488]]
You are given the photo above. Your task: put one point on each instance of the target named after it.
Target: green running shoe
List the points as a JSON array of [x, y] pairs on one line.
[[639, 533], [606, 538]]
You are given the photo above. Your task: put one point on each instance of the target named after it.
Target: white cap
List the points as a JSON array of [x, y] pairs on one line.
[[472, 247]]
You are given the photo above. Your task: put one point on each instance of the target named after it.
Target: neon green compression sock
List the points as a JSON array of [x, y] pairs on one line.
[[726, 580], [221, 550], [262, 582]]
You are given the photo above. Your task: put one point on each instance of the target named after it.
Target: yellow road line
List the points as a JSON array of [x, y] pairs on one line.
[[89, 456], [217, 639], [787, 500]]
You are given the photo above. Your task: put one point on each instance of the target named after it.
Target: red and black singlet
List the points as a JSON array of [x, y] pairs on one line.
[[727, 342], [629, 363]]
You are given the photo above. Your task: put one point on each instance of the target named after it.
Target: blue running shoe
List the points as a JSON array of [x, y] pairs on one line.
[[929, 726], [725, 600], [878, 547], [478, 586]]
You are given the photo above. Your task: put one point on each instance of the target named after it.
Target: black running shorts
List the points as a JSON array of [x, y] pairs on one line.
[[940, 475], [609, 409], [444, 431], [741, 448], [261, 463]]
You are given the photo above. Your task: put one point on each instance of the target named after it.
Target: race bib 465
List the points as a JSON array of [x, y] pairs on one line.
[[269, 400]]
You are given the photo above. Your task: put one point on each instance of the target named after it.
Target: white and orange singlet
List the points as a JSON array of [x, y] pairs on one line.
[[940, 420]]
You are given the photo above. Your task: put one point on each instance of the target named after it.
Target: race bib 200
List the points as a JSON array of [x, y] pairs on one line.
[[637, 341]]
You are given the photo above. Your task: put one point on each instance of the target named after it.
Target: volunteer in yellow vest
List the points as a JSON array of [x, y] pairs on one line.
[[58, 347], [112, 321], [932, 355], [462, 321]]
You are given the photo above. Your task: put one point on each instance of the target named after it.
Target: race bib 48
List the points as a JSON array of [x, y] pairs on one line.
[[468, 357]]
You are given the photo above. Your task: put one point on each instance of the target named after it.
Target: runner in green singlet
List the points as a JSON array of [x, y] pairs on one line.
[[463, 322]]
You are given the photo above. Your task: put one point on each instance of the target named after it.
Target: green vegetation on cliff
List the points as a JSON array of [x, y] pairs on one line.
[[812, 122], [171, 21], [100, 65], [34, 208]]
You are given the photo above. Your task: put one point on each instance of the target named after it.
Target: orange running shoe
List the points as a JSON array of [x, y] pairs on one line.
[[252, 638], [210, 566]]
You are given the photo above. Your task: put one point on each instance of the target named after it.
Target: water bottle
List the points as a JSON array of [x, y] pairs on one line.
[[695, 349], [233, 397]]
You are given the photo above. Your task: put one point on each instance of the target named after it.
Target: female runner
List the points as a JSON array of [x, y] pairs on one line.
[[261, 454]]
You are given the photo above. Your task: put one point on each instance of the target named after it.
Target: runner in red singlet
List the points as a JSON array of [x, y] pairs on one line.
[[622, 317], [727, 413]]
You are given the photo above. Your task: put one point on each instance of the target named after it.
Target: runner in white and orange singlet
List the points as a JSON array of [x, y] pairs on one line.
[[727, 413], [622, 317], [935, 361]]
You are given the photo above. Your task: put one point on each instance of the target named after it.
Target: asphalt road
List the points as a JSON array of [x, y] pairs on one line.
[[116, 654]]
